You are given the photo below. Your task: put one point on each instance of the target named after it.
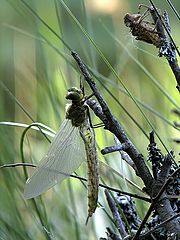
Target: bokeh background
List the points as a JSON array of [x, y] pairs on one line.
[[36, 69]]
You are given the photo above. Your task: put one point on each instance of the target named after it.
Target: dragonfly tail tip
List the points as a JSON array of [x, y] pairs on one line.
[[87, 219]]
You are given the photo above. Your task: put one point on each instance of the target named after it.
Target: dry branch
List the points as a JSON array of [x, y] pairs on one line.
[[153, 186]]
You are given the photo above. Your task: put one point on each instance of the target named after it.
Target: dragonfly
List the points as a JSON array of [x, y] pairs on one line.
[[73, 144]]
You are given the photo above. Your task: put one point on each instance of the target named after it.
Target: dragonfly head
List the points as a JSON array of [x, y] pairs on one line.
[[74, 94]]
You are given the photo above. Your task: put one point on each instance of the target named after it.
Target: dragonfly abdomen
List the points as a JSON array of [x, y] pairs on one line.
[[88, 136], [93, 182]]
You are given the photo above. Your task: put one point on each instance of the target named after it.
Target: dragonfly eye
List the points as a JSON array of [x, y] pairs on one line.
[[74, 94]]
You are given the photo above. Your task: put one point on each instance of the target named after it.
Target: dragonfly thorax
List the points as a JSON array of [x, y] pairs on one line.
[[76, 112]]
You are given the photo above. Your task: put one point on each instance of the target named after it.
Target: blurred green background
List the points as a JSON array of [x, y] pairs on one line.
[[36, 69]]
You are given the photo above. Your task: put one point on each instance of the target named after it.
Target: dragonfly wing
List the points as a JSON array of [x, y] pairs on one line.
[[65, 154]]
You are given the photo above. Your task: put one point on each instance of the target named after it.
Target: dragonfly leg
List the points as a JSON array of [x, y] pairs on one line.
[[89, 116]]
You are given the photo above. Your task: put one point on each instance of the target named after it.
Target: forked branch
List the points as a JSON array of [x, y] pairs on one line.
[[152, 184]]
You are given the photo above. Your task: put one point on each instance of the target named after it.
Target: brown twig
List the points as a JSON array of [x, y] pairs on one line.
[[154, 203], [111, 124], [167, 47], [114, 148], [144, 236], [116, 216]]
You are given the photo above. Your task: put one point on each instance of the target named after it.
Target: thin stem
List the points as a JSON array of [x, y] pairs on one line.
[[11, 165], [159, 225]]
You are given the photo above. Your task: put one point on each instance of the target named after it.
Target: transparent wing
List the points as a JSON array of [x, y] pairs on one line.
[[65, 154]]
